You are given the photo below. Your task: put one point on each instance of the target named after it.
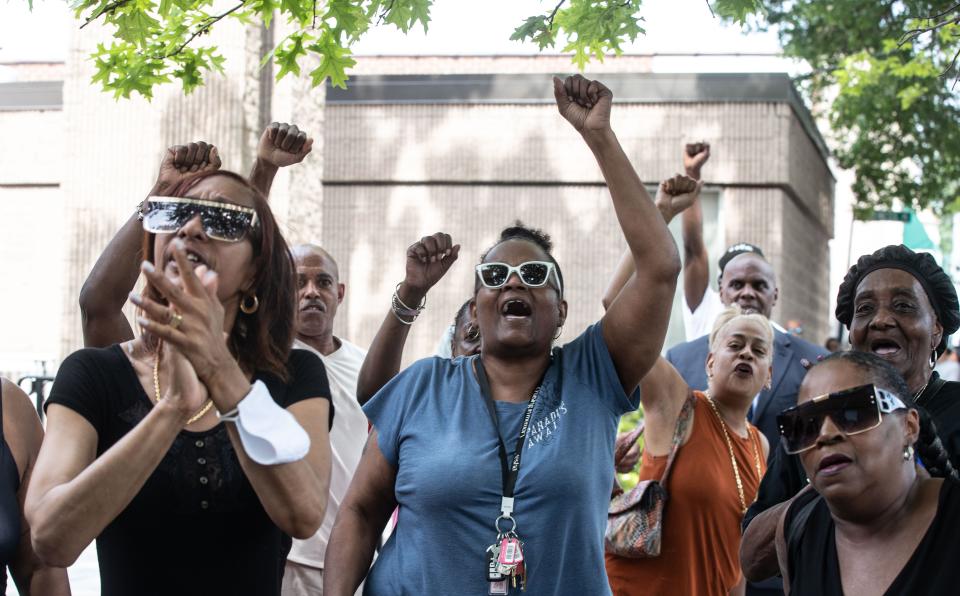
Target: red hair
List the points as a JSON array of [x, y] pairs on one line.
[[260, 341]]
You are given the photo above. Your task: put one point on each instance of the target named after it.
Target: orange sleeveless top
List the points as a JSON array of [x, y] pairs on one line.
[[700, 553]]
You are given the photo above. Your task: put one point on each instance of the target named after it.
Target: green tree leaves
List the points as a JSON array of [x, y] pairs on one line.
[[883, 73], [593, 27]]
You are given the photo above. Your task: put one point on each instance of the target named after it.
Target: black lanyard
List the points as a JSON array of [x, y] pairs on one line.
[[508, 472]]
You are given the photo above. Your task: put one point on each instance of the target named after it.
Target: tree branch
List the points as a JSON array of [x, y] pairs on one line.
[[949, 10], [554, 14], [202, 28], [913, 34], [709, 6], [950, 67], [385, 12], [108, 8]]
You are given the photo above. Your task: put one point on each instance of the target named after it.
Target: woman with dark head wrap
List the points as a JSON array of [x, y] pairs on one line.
[[900, 306]]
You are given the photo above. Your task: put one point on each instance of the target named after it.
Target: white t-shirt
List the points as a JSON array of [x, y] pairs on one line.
[[347, 438], [700, 322]]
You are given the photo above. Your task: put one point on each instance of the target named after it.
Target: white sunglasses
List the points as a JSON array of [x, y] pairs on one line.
[[534, 274]]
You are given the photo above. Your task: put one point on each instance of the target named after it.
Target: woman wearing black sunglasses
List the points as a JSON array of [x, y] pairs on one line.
[[136, 456], [874, 521], [502, 463], [900, 306]]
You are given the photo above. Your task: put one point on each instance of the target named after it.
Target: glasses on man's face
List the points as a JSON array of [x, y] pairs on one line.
[[534, 274], [220, 221], [852, 411]]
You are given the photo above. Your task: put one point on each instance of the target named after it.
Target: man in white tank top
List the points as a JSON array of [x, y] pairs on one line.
[[319, 293]]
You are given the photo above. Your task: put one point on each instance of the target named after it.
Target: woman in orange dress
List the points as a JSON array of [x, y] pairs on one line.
[[717, 468]]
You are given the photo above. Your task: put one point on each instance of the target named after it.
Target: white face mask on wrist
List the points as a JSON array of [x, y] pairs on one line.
[[270, 434]]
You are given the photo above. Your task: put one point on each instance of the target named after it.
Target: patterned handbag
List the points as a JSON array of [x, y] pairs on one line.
[[635, 517]]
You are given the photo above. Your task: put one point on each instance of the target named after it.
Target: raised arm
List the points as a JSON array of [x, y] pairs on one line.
[[113, 276], [674, 196], [427, 261], [635, 325], [363, 514], [696, 266], [281, 145]]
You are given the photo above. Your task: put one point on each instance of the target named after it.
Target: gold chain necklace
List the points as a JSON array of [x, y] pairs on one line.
[[156, 389], [733, 459]]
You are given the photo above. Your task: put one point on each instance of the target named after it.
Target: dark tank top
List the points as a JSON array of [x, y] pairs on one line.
[[9, 508]]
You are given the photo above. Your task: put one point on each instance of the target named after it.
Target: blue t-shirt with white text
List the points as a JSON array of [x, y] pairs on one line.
[[435, 429]]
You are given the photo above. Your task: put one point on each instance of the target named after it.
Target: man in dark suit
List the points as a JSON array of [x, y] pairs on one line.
[[748, 280]]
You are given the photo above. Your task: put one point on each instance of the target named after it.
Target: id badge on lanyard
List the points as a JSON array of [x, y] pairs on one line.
[[504, 557]]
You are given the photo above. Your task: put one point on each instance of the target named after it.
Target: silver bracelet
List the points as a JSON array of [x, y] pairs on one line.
[[397, 316]]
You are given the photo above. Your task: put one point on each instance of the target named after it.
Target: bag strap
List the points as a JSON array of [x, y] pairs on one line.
[[683, 422], [797, 526]]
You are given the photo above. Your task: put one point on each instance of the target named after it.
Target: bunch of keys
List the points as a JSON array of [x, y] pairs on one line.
[[505, 564]]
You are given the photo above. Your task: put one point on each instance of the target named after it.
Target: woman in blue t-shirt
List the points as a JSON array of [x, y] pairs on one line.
[[446, 431]]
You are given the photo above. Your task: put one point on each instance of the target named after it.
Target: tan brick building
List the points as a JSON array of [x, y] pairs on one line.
[[414, 146], [467, 154]]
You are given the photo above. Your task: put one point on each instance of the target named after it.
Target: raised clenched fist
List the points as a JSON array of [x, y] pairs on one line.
[[583, 103], [283, 144], [677, 194], [694, 156], [182, 161], [428, 260]]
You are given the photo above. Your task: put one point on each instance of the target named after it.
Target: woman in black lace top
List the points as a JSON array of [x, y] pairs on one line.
[[136, 455]]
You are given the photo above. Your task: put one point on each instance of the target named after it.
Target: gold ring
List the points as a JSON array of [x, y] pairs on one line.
[[175, 320]]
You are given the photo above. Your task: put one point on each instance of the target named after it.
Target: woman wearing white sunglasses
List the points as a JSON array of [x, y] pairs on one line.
[[875, 521], [502, 463]]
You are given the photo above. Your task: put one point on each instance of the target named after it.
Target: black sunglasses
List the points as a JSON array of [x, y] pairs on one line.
[[852, 411], [221, 221]]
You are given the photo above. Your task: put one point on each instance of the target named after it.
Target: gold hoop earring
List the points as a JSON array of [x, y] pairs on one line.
[[247, 308], [559, 332]]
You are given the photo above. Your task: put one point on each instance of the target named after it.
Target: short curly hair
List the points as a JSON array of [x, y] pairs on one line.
[[935, 282]]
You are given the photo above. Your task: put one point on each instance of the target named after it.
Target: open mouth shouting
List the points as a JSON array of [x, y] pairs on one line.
[[516, 309], [743, 369], [885, 348]]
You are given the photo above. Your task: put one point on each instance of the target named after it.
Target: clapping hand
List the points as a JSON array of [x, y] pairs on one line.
[[182, 161], [675, 195], [283, 145], [192, 322], [584, 103]]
